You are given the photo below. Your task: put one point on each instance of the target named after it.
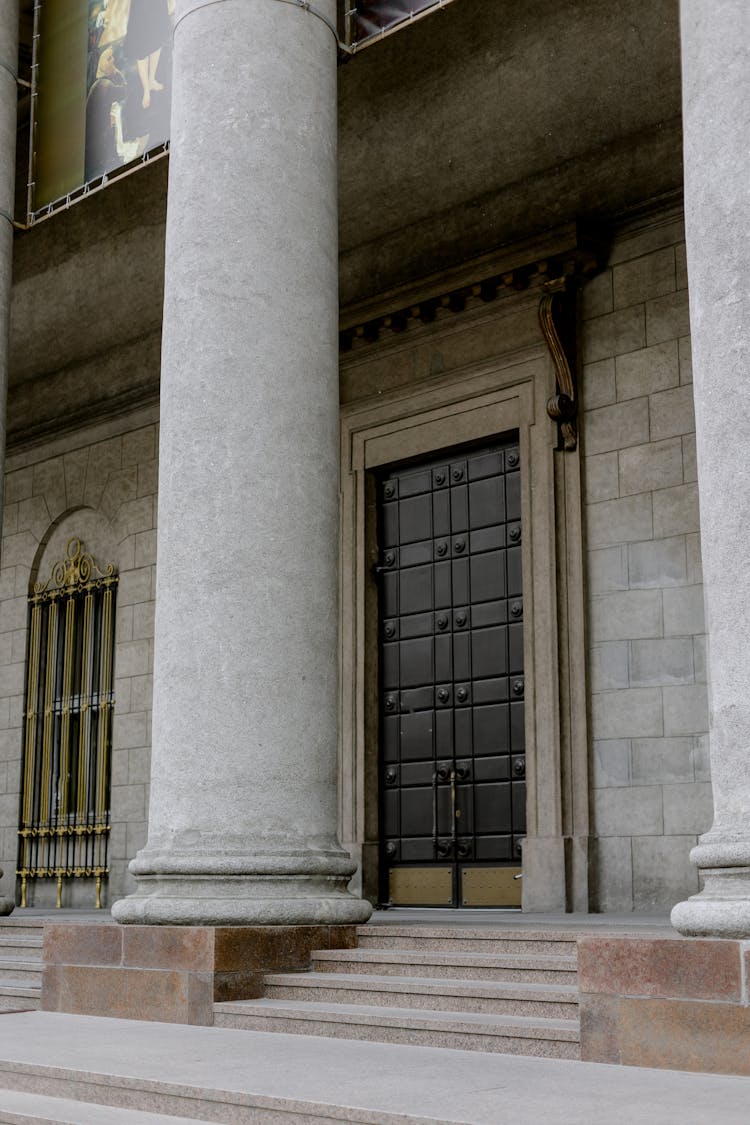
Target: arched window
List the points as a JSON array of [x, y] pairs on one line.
[[65, 823]]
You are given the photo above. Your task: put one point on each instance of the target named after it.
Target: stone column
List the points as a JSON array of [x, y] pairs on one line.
[[716, 116], [8, 127], [243, 812]]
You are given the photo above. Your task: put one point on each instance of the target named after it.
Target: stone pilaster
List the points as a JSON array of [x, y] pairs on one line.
[[716, 114], [243, 812], [8, 127]]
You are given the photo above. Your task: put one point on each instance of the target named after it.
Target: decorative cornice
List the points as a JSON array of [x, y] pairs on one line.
[[581, 259]]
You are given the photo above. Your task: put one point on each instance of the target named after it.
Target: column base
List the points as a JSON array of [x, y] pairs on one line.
[[283, 889], [244, 903], [171, 974], [7, 905], [722, 909]]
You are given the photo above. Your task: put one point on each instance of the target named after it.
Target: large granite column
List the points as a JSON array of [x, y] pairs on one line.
[[8, 127], [716, 116], [243, 813]]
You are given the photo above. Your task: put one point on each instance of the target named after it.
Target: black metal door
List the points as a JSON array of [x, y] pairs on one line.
[[453, 797]]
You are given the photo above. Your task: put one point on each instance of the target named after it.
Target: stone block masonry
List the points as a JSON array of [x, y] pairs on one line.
[[99, 485], [665, 1002], [649, 710], [172, 974]]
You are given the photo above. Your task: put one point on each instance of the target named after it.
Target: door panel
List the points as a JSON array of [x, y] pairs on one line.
[[451, 679]]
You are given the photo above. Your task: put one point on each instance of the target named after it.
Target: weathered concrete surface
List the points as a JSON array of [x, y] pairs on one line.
[[716, 84], [478, 125], [490, 120], [87, 306], [243, 810]]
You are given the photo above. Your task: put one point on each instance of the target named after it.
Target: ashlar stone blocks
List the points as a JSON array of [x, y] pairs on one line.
[[649, 711]]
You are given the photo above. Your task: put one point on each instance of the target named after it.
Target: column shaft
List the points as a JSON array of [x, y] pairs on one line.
[[243, 812], [8, 129], [716, 116]]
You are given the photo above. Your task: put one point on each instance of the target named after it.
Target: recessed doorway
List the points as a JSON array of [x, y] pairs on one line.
[[451, 679]]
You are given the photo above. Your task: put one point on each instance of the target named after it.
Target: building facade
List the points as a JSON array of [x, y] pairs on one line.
[[440, 599]]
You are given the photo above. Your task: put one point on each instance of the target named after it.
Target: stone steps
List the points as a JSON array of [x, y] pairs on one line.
[[461, 1031], [461, 939], [28, 971], [437, 993], [20, 1108], [17, 996], [20, 964], [558, 969], [104, 1067], [488, 988]]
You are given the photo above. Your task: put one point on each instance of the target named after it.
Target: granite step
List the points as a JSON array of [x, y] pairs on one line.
[[550, 969], [463, 1031], [247, 1078], [455, 939], [21, 1108], [30, 972], [13, 930], [20, 996], [23, 948], [426, 993]]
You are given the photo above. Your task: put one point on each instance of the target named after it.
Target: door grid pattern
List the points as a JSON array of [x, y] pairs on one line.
[[452, 763]]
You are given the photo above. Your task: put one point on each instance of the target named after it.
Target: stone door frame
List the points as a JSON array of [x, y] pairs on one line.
[[508, 392]]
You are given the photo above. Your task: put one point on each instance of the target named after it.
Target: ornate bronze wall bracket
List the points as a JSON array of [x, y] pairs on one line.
[[557, 317]]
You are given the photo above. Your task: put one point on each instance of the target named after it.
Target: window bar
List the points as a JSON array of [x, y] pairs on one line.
[[105, 706], [49, 715], [32, 688], [84, 733], [63, 779]]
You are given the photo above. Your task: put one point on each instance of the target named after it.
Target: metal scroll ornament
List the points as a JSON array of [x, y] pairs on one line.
[[557, 321], [74, 571]]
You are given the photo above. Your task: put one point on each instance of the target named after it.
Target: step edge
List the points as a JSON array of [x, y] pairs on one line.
[[372, 983], [523, 1027], [126, 1086]]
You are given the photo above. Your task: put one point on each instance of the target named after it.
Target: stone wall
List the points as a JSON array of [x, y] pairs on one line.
[[648, 710], [99, 485], [651, 793]]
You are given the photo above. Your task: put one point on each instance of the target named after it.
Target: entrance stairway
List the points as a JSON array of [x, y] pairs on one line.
[[20, 964], [511, 990]]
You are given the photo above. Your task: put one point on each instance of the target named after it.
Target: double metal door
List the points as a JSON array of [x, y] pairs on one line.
[[452, 765]]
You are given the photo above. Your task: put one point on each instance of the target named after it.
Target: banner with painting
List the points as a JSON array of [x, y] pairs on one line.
[[103, 87]]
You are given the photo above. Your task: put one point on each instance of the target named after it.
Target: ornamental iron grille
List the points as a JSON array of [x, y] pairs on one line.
[[65, 819]]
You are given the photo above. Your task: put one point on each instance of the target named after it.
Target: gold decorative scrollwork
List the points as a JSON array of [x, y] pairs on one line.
[[75, 571]]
